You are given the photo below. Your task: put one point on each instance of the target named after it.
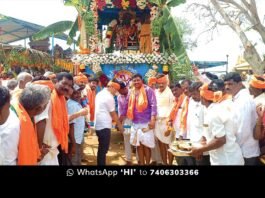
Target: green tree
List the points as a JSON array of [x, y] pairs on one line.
[[171, 37]]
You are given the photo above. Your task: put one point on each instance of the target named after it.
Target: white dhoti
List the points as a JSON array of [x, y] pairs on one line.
[[138, 136], [127, 133], [160, 129], [51, 158]]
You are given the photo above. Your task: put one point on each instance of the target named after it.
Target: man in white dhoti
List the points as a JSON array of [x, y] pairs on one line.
[[165, 102], [142, 110]]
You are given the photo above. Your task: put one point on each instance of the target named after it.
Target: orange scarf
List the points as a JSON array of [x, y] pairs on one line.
[[224, 97], [141, 102], [91, 95], [258, 84], [210, 95], [47, 83], [80, 78], [184, 114], [175, 109], [162, 80], [60, 122], [28, 148], [151, 81]]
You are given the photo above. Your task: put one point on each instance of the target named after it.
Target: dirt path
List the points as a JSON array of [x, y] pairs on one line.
[[115, 155]]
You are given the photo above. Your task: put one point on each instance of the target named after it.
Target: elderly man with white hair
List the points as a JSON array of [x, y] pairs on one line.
[[23, 78], [32, 101]]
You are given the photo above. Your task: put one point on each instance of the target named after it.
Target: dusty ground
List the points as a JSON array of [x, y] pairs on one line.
[[115, 155]]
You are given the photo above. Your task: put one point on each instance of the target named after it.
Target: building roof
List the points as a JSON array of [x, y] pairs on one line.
[[12, 29], [209, 64]]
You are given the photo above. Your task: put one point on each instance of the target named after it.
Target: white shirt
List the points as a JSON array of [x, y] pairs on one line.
[[218, 122], [165, 102], [9, 138], [79, 123], [49, 137], [195, 121], [4, 83], [260, 99], [104, 104], [245, 117]]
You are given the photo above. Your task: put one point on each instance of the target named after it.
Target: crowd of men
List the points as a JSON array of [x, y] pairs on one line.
[[43, 119]]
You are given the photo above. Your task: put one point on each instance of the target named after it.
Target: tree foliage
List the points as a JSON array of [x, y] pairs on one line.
[[171, 37], [243, 18]]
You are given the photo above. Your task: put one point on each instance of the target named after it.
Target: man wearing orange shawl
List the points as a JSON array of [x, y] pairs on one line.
[[177, 91], [178, 115], [257, 89], [91, 95], [60, 123], [219, 135], [32, 101], [53, 122], [142, 110], [40, 120], [46, 138]]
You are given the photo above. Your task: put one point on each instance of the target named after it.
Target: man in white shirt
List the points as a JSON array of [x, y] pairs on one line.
[[195, 123], [257, 89], [218, 130], [77, 125], [104, 114], [245, 117], [9, 130], [178, 124]]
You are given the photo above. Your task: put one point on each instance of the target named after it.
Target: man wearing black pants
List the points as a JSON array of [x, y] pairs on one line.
[[103, 145], [104, 114]]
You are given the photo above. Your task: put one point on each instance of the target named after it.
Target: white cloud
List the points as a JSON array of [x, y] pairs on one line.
[[41, 12]]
